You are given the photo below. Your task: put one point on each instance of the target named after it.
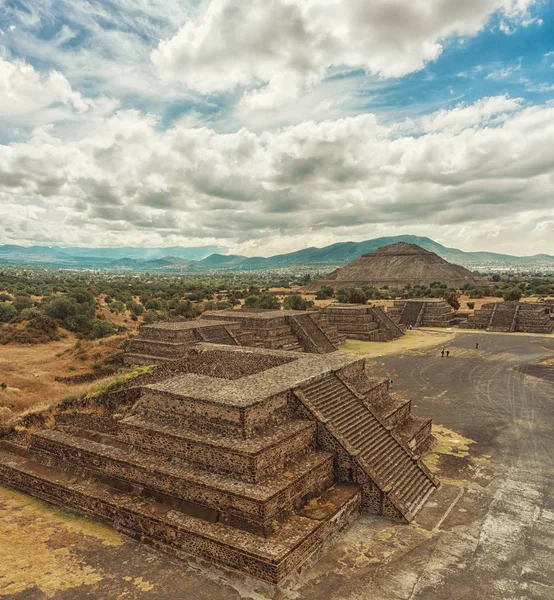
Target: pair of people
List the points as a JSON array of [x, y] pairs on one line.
[[447, 352]]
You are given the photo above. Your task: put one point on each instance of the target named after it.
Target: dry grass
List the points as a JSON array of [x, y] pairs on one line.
[[30, 371], [413, 340]]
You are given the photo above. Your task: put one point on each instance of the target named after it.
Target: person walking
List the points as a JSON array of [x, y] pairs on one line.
[[442, 353], [476, 345], [447, 353]]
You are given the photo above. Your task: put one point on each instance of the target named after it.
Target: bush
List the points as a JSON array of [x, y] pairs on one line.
[[149, 317], [269, 301], [496, 277], [153, 304], [296, 302], [5, 297], [512, 295], [102, 329], [22, 302], [452, 298], [471, 305], [352, 296], [7, 312], [325, 292], [117, 307], [72, 314], [135, 308]]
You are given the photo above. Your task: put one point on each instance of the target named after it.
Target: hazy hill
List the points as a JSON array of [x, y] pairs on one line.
[[342, 253], [213, 258]]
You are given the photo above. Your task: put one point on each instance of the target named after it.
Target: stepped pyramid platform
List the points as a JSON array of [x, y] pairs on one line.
[[296, 330], [171, 341], [422, 313], [247, 459], [361, 322], [510, 317]]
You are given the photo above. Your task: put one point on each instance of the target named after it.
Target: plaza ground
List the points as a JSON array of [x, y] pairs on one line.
[[487, 533]]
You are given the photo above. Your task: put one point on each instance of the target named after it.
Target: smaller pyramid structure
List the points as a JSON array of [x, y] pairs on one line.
[[396, 265]]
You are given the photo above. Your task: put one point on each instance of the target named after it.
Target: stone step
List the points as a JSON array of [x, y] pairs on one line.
[[268, 559], [172, 350], [131, 358], [253, 459], [391, 465], [251, 507]]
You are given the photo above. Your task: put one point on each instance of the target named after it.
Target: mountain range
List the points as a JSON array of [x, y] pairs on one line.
[[214, 258]]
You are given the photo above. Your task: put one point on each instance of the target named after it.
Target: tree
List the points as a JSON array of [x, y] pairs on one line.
[[149, 317], [351, 296], [496, 277], [135, 308], [269, 301], [102, 329], [512, 295], [451, 297], [7, 312], [73, 315], [153, 304], [325, 292], [117, 307], [296, 302], [22, 302]]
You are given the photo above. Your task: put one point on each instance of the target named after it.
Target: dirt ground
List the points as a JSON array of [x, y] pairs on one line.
[[486, 533], [30, 371]]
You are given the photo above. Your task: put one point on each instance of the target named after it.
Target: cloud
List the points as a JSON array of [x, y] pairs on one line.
[[128, 181], [274, 49], [24, 90]]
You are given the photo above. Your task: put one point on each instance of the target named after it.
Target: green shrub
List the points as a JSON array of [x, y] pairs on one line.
[[512, 294], [22, 302], [149, 317], [351, 296], [117, 307], [471, 305], [452, 298], [102, 329], [325, 292], [7, 312], [153, 304], [296, 302], [5, 297]]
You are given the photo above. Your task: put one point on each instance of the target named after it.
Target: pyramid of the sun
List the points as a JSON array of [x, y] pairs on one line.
[[396, 265]]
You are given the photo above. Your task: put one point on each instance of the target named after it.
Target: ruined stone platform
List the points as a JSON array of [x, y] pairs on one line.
[[300, 331], [422, 313], [362, 322], [248, 458], [511, 317]]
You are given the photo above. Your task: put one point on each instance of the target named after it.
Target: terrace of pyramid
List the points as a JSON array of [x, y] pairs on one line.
[[245, 458], [422, 313], [273, 329], [511, 317]]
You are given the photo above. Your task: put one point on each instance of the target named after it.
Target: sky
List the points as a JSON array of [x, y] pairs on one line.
[[271, 125]]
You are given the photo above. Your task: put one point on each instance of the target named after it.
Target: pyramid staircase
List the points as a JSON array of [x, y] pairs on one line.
[[412, 313], [394, 329], [394, 482], [311, 335]]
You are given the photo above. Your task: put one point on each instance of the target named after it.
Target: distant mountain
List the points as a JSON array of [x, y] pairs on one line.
[[339, 254], [213, 258], [104, 258]]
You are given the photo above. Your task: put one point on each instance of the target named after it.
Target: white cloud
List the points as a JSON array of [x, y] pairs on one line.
[[281, 47], [24, 90], [479, 167]]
